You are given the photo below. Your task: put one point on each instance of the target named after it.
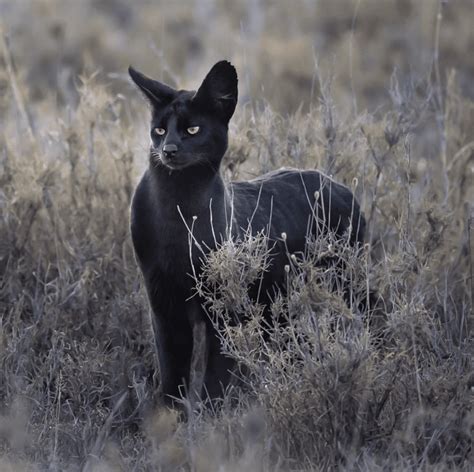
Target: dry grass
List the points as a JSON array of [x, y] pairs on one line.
[[77, 364]]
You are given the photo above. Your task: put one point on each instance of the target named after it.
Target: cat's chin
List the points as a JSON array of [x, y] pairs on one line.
[[175, 166]]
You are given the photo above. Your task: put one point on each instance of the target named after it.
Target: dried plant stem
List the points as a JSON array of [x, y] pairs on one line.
[[198, 361], [441, 113], [17, 93], [470, 224], [100, 442]]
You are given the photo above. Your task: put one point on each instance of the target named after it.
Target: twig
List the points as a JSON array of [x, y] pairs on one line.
[[198, 360], [351, 59], [470, 222], [19, 99], [440, 116], [99, 444]]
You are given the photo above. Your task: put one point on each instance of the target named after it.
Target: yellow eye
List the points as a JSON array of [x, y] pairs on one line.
[[193, 130], [160, 131]]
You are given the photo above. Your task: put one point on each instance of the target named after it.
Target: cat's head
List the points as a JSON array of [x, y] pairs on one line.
[[190, 128]]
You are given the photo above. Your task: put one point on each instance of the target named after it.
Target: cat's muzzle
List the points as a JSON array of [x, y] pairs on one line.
[[169, 151]]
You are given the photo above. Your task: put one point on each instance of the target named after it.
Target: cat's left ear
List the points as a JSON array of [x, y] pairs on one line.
[[157, 93], [219, 90]]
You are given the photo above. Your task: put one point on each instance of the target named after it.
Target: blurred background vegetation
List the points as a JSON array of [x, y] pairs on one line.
[[274, 44], [377, 90]]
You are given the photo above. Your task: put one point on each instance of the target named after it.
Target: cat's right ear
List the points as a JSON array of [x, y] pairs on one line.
[[157, 93]]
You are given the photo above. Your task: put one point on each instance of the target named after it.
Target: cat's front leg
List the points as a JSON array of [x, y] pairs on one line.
[[174, 345]]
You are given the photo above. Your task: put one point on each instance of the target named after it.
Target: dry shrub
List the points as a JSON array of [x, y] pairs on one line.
[[323, 389]]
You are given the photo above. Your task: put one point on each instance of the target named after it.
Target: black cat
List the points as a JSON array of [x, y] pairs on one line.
[[180, 190]]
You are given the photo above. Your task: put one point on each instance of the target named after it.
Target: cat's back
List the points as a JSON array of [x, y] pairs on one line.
[[285, 197]]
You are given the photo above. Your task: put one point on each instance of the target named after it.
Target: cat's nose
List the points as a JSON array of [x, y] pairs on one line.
[[169, 150]]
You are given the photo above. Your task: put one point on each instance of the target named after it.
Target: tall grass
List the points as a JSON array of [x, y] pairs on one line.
[[330, 388]]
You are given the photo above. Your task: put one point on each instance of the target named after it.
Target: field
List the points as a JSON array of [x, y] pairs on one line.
[[377, 93]]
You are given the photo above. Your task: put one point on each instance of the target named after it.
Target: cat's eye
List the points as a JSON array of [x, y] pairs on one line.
[[193, 130], [160, 131]]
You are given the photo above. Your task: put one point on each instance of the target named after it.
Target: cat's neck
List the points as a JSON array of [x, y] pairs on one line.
[[191, 188]]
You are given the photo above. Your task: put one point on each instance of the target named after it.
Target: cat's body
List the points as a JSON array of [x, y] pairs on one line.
[[183, 190]]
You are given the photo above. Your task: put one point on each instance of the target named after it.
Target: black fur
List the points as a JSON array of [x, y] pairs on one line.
[[188, 186]]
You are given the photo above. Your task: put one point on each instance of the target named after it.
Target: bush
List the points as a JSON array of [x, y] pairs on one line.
[[331, 387]]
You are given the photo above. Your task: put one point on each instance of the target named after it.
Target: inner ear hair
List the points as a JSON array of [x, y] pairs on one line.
[[150, 93], [227, 96]]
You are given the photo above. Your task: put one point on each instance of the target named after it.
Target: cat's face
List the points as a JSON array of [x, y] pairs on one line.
[[190, 128]]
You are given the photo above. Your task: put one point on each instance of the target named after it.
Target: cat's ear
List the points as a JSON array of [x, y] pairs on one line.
[[157, 93], [219, 90]]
